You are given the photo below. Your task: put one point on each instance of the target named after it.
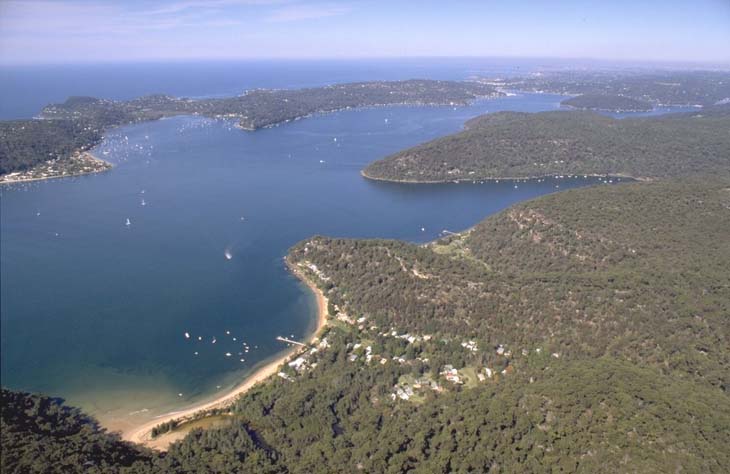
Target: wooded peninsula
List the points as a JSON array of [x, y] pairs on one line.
[[582, 331], [521, 145], [79, 124], [678, 88], [609, 103]]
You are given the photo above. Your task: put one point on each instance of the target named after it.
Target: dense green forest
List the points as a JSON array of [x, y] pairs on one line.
[[79, 123], [613, 103], [261, 108], [26, 143], [39, 434], [522, 145], [704, 88], [584, 331]]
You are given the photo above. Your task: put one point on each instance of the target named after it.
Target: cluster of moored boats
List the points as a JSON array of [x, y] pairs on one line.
[[245, 347]]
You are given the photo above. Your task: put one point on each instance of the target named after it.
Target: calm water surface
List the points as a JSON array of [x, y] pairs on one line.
[[96, 311]]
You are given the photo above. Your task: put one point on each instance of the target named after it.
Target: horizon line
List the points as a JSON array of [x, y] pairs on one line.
[[162, 60]]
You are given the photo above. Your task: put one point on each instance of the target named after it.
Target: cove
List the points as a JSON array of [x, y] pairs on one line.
[[97, 311]]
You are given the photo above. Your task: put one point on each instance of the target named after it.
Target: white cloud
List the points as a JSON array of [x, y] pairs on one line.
[[208, 5], [307, 12]]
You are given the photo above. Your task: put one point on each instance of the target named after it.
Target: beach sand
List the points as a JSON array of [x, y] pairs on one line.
[[143, 433]]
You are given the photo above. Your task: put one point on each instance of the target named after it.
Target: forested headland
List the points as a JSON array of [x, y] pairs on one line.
[[79, 123], [661, 87], [583, 330], [527, 145], [605, 102]]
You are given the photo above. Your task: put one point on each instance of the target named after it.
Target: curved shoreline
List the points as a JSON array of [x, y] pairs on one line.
[[365, 175], [87, 155], [142, 434]]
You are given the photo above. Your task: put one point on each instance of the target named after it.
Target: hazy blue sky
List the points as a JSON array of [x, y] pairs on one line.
[[93, 30]]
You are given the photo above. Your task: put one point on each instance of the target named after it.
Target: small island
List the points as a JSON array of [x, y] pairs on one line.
[[608, 103]]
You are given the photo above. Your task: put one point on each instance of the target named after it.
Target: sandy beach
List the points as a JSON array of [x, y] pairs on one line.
[[143, 434]]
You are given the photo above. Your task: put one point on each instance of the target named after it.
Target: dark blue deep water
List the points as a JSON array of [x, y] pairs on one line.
[[96, 311]]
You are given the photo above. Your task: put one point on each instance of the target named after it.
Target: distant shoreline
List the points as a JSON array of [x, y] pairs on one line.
[[142, 434], [365, 175]]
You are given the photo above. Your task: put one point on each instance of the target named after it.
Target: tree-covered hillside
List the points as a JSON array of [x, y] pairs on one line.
[[26, 143], [584, 331], [638, 271], [40, 435], [79, 123], [261, 108], [660, 87], [523, 145], [614, 103]]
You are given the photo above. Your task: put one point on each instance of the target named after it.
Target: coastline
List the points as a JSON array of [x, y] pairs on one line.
[[365, 175], [87, 156], [255, 127], [142, 434]]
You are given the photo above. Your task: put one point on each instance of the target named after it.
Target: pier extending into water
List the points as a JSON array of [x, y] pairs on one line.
[[289, 341]]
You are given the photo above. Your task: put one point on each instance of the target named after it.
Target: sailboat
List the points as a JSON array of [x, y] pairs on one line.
[[128, 223]]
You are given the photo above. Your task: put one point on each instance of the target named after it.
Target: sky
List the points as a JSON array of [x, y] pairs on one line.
[[59, 31]]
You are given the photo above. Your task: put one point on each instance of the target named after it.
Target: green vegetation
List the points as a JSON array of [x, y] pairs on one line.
[[27, 143], [523, 145], [40, 435], [600, 314], [78, 124], [634, 270], [614, 103], [262, 108], [703, 88], [584, 331], [164, 428]]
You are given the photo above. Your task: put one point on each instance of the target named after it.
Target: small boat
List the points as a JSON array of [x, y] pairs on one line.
[[128, 223], [228, 254], [143, 202], [187, 335]]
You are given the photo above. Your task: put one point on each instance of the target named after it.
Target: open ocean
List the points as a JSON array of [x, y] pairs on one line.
[[96, 312]]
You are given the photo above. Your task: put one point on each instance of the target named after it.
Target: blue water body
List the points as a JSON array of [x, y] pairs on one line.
[[24, 90], [96, 311]]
